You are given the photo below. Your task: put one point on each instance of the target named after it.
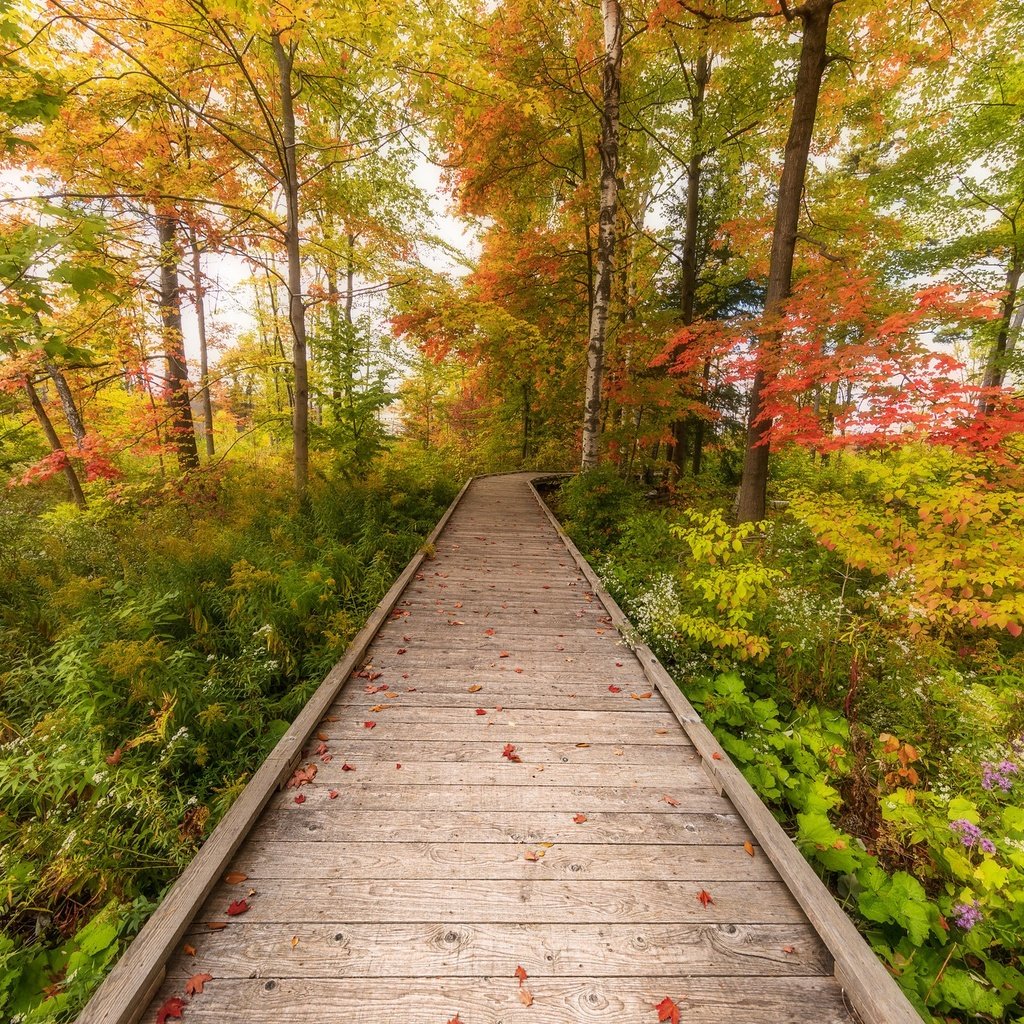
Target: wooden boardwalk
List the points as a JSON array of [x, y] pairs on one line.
[[428, 860]]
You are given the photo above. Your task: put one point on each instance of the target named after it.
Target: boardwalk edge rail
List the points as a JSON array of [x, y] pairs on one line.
[[871, 990], [125, 993]]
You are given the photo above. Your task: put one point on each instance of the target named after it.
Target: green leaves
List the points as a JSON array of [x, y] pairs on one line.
[[897, 899]]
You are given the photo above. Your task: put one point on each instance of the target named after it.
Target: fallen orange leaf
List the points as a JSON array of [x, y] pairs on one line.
[[526, 997], [171, 1008], [668, 1010], [642, 696], [580, 818], [188, 949], [530, 856], [295, 941], [503, 654], [520, 973], [670, 800], [475, 688], [788, 949], [716, 756], [332, 794], [234, 877], [194, 985], [216, 926], [749, 847], [704, 898]]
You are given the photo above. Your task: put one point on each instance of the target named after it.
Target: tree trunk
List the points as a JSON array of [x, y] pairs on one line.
[[199, 292], [77, 495], [995, 368], [815, 15], [183, 435], [611, 87], [67, 401], [296, 308]]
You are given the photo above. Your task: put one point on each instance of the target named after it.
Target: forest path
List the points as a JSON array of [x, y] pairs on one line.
[[428, 860]]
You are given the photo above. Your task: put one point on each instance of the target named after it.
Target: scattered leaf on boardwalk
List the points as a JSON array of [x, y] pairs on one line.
[[346, 767], [580, 818], [369, 725], [518, 670], [216, 926], [401, 650], [788, 949], [488, 632], [237, 907], [391, 695], [475, 688], [302, 776], [503, 654], [614, 689], [171, 1008], [531, 856], [526, 997], [234, 877], [582, 746], [646, 695], [321, 748], [520, 973], [668, 1011], [749, 847], [481, 711], [194, 985], [455, 1020], [378, 708], [322, 736], [295, 941], [716, 756], [704, 898], [510, 752], [670, 800], [188, 949], [300, 798], [661, 732], [332, 794], [617, 752]]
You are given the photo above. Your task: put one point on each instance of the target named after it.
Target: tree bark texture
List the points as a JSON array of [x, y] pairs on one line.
[[296, 308], [815, 16], [182, 432], [74, 485], [611, 89]]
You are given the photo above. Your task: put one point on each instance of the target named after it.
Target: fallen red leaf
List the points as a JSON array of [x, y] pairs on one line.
[[237, 907], [670, 800], [194, 985], [300, 798], [716, 756], [302, 776], [455, 1020], [704, 898], [481, 711], [322, 736], [488, 632], [114, 758], [615, 689], [510, 752], [580, 818], [397, 766], [788, 949], [531, 856], [520, 973], [171, 1008], [346, 767], [332, 794], [321, 749], [369, 725], [188, 949], [668, 1011], [503, 654], [234, 877], [401, 650], [618, 664]]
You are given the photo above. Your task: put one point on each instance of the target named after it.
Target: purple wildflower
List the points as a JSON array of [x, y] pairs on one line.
[[967, 915], [1000, 775], [988, 846], [969, 833]]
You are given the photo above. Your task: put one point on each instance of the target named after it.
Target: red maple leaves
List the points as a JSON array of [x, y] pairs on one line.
[[668, 1010], [704, 898], [237, 907], [509, 751], [171, 1008]]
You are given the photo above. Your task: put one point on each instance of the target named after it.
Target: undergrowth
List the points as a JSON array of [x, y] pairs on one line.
[[152, 650]]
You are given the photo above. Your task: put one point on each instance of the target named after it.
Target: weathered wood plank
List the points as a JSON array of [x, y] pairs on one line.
[[499, 772], [374, 745], [473, 950], [495, 1000], [385, 900], [262, 859], [321, 822], [378, 792]]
